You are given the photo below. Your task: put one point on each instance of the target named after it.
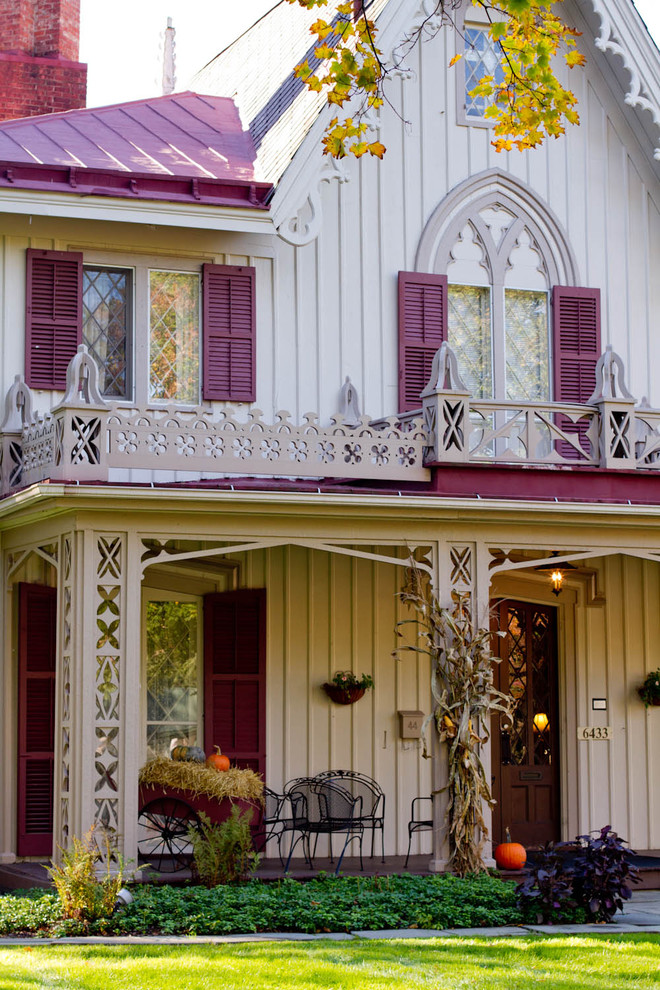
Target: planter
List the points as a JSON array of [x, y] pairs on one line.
[[343, 696], [653, 702]]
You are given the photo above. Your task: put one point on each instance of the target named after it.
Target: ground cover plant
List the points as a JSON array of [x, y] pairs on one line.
[[584, 963], [326, 904]]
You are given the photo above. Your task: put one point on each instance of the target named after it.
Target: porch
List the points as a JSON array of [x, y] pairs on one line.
[[329, 576]]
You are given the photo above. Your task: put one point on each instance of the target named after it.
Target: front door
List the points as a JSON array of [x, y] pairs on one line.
[[235, 676], [525, 754]]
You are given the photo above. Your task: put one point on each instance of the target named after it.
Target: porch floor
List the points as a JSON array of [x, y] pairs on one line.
[[21, 876]]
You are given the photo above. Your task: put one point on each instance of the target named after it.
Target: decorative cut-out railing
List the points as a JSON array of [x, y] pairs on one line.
[[85, 438]]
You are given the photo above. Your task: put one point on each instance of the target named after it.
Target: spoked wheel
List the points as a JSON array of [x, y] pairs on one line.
[[163, 834]]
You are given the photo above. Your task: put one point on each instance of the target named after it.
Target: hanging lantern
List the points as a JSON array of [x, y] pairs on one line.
[[556, 572], [541, 721]]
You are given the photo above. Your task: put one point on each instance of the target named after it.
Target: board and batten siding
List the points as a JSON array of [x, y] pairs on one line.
[[337, 296], [328, 612]]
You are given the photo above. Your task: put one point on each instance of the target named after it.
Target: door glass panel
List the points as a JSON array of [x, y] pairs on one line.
[[514, 735], [541, 697], [469, 334], [172, 676], [174, 336]]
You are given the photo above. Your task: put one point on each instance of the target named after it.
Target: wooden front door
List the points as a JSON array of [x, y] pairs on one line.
[[37, 611], [235, 676], [525, 754]]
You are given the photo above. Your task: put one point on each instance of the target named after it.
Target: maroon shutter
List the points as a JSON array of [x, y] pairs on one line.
[[53, 328], [37, 608], [577, 347], [422, 329], [235, 676], [229, 333]]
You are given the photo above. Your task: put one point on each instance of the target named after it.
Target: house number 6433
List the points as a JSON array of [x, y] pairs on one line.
[[594, 732]]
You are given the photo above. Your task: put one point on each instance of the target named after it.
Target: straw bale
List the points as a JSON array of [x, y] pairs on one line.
[[199, 779]]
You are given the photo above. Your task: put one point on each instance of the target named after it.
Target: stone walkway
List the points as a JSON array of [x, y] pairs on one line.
[[641, 914]]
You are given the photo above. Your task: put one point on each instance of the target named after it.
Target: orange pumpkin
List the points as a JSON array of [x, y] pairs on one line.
[[217, 760], [510, 855]]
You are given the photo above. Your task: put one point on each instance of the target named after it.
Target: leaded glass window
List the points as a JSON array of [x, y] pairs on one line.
[[174, 336], [107, 326], [173, 671], [470, 335], [526, 345], [482, 58]]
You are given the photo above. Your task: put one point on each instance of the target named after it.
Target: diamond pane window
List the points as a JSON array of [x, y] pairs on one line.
[[482, 58], [172, 675], [527, 345], [106, 326], [469, 332], [174, 336]]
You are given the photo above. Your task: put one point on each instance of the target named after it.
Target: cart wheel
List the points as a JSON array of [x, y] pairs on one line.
[[163, 834]]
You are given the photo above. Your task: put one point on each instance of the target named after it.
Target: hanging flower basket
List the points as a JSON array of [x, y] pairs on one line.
[[345, 688], [649, 692], [343, 696]]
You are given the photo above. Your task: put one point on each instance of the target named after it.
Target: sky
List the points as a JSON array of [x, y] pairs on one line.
[[122, 41]]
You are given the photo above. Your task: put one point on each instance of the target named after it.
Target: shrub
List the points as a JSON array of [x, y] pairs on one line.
[[28, 911], [602, 873], [85, 894], [223, 853], [546, 896]]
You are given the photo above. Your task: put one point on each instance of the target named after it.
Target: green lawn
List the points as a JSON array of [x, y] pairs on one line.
[[559, 963]]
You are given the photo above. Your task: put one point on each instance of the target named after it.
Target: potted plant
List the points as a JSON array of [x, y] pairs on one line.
[[649, 692], [345, 688]]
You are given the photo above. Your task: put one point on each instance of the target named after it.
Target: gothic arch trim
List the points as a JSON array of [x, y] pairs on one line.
[[495, 188]]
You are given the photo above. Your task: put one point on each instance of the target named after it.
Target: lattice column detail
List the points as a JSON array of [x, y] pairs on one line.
[[109, 601]]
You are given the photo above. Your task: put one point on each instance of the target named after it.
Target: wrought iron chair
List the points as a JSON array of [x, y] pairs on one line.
[[274, 823], [417, 823], [373, 801], [321, 807]]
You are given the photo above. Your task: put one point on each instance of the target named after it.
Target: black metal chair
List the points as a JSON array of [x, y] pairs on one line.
[[321, 807], [417, 823], [275, 822], [373, 801]]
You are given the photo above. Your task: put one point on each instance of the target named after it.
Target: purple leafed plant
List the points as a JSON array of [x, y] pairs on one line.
[[603, 871], [546, 896]]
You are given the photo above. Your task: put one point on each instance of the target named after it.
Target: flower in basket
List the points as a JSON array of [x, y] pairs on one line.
[[345, 687], [347, 679], [649, 692]]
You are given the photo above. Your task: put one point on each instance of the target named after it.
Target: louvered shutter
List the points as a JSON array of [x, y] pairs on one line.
[[229, 333], [53, 316], [36, 718], [422, 329], [235, 676], [577, 347]]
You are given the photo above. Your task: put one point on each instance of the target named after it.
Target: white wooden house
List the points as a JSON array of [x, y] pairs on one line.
[[182, 559]]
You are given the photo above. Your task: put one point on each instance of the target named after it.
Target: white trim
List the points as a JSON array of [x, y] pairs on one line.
[[194, 217]]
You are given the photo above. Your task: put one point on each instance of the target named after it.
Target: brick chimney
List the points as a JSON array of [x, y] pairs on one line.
[[39, 67]]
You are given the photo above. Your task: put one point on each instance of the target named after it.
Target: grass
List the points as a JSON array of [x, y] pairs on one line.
[[624, 962]]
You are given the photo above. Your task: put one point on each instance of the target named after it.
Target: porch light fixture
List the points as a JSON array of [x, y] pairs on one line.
[[556, 572]]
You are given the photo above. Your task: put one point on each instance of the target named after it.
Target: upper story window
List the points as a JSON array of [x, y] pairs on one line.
[[481, 58], [158, 334], [498, 309], [491, 290]]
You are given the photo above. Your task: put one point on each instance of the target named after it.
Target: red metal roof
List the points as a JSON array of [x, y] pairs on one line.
[[179, 147]]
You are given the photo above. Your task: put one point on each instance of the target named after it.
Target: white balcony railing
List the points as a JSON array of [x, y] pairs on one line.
[[85, 438]]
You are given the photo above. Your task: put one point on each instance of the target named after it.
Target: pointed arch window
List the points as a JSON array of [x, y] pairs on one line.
[[498, 308]]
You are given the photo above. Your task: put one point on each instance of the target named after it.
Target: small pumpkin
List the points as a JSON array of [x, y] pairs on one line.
[[218, 761], [510, 855], [195, 754], [179, 753]]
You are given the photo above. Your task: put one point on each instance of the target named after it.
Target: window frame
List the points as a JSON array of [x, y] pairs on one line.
[[476, 19], [152, 594], [140, 267], [130, 330]]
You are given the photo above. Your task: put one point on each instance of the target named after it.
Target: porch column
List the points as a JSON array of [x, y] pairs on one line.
[[92, 694], [462, 569]]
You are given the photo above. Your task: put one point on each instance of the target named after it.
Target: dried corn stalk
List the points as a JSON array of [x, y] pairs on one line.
[[465, 699]]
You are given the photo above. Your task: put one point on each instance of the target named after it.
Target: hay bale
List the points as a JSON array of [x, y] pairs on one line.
[[199, 779]]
